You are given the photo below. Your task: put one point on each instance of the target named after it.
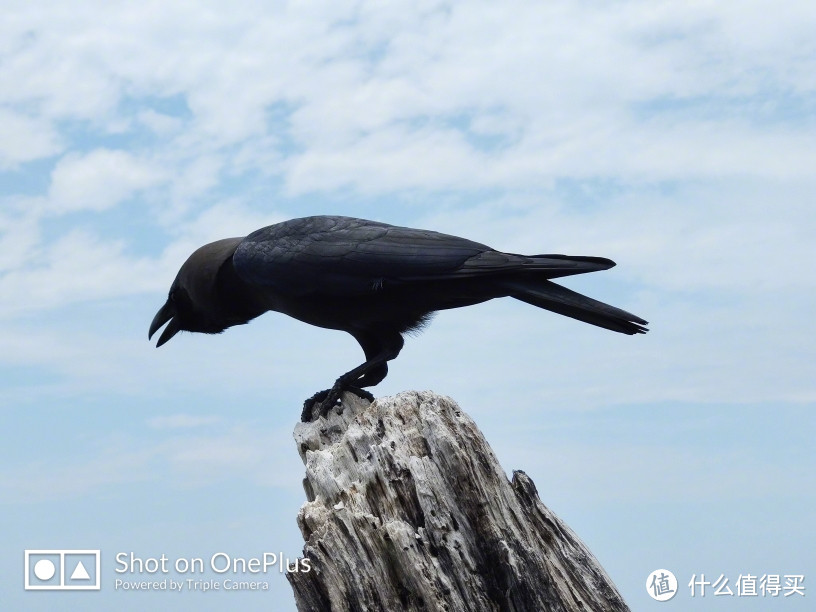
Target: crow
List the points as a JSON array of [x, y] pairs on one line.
[[373, 280]]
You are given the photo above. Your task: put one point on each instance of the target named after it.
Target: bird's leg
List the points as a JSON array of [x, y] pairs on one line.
[[373, 376], [379, 350]]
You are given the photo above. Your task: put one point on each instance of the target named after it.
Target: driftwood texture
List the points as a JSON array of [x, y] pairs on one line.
[[410, 510]]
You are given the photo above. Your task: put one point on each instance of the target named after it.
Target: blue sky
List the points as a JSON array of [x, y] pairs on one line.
[[677, 138]]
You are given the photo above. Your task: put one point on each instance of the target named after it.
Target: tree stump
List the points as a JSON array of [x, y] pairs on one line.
[[408, 509]]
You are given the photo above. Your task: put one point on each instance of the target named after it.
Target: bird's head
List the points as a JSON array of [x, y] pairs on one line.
[[193, 303]]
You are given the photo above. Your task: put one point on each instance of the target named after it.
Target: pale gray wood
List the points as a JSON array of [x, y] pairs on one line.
[[410, 510]]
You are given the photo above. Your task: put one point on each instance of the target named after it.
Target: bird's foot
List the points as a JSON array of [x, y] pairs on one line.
[[328, 398], [322, 400], [315, 401]]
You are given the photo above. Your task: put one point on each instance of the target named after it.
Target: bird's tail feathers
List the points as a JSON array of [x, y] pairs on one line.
[[567, 265], [493, 263], [569, 303]]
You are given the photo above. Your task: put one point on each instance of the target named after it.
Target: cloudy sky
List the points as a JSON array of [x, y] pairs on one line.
[[677, 138]]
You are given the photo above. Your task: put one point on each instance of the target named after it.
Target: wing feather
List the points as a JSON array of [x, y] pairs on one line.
[[348, 256]]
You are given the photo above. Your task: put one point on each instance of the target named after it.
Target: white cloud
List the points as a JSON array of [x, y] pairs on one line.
[[76, 266], [394, 159], [99, 180], [23, 139], [567, 80], [19, 232], [160, 123], [195, 178]]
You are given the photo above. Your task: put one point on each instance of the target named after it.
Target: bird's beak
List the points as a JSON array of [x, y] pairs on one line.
[[165, 314]]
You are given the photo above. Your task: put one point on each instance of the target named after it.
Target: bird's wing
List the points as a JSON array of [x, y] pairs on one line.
[[347, 256]]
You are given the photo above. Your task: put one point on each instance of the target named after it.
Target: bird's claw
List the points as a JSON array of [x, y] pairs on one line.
[[309, 405], [322, 400], [327, 399]]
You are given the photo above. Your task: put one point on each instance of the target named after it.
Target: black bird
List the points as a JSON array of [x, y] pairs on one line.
[[372, 280]]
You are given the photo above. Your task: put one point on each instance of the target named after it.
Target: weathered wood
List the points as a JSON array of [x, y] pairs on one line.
[[410, 510]]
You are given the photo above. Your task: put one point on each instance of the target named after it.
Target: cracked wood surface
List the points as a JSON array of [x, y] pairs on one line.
[[408, 509]]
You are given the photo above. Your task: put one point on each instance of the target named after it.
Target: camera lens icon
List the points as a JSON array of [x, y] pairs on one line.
[[62, 570], [44, 569]]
